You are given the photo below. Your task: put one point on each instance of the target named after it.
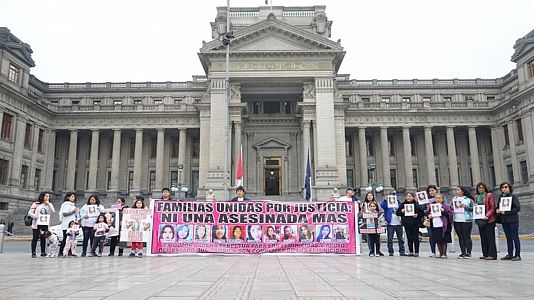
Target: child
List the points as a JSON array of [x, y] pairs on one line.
[[374, 237], [52, 244], [137, 247], [101, 227], [71, 239]]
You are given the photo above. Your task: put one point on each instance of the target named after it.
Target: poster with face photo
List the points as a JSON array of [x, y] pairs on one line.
[[422, 197], [43, 219], [92, 211], [457, 204], [505, 204], [479, 211], [392, 201], [136, 225], [409, 210], [113, 221], [435, 209]]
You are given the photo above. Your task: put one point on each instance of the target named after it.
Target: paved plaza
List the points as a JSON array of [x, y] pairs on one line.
[[263, 277]]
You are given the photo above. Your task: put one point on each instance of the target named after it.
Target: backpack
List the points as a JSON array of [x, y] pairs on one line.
[[28, 220]]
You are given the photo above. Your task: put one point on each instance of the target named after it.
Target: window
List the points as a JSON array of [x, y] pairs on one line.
[[385, 99], [117, 102], [287, 107], [196, 148], [510, 172], [4, 206], [519, 127], [157, 102], [138, 101], [412, 143], [434, 146], [153, 147], [391, 146], [152, 181], [524, 171], [530, 67], [37, 180], [40, 141], [130, 180], [4, 168], [7, 125], [256, 107], [174, 147], [447, 98], [437, 176], [54, 180], [14, 73], [406, 99], [393, 176], [490, 98], [469, 97], [108, 185], [427, 99], [86, 180], [97, 102], [366, 99], [28, 136], [24, 177], [271, 107], [132, 148], [415, 178], [369, 144], [371, 174], [75, 102], [348, 147], [350, 177], [506, 136], [174, 178]]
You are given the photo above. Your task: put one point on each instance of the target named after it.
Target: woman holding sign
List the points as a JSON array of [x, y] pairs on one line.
[[463, 220], [410, 213], [509, 217], [89, 215], [441, 226], [40, 209], [486, 226]]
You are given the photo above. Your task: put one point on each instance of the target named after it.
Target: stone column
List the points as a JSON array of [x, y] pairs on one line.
[[138, 154], [385, 158], [513, 152], [181, 153], [408, 167], [453, 160], [71, 165], [93, 160], [341, 152], [473, 153], [203, 161], [496, 147], [18, 151], [216, 177], [115, 160], [237, 146], [33, 165], [364, 176], [355, 156], [160, 147], [430, 160], [50, 151], [529, 143]]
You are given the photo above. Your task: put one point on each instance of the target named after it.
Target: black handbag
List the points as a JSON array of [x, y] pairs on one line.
[[28, 220]]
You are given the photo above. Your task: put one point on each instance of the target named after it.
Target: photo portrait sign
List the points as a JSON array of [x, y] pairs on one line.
[[253, 227], [136, 225]]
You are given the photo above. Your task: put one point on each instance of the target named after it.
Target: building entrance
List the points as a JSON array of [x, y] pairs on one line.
[[272, 167]]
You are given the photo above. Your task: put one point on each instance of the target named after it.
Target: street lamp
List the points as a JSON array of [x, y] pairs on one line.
[[375, 187], [179, 187]]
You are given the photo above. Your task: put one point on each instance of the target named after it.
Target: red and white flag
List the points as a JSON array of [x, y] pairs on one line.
[[239, 168]]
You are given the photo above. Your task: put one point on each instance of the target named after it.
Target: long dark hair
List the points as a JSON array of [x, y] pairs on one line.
[[40, 199], [67, 196], [96, 198], [137, 199], [486, 190], [466, 192], [506, 183], [431, 186]]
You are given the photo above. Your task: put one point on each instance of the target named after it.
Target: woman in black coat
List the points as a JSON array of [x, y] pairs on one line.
[[411, 223], [510, 222]]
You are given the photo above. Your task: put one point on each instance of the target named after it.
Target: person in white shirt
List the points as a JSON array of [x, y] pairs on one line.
[[349, 193]]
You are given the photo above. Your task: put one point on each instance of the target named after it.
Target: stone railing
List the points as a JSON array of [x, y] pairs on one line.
[[426, 105], [418, 82], [56, 87], [128, 108]]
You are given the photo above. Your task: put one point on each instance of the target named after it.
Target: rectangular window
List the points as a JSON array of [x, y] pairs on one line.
[[157, 102], [37, 180], [391, 146], [174, 147], [271, 107], [371, 174], [348, 147], [510, 172], [447, 98], [393, 176], [256, 107], [490, 98], [75, 102], [524, 171], [28, 136], [350, 177], [7, 125], [427, 99], [406, 99], [174, 178], [385, 99], [14, 73], [196, 148], [117, 102], [4, 168], [506, 136], [519, 128], [4, 206], [153, 147], [152, 181], [437, 177], [40, 141], [108, 185], [415, 178], [366, 99], [132, 148], [24, 177], [130, 180], [287, 107], [369, 144], [530, 67], [137, 101], [412, 143]]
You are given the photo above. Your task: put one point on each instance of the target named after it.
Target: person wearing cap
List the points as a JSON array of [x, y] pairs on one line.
[[240, 195]]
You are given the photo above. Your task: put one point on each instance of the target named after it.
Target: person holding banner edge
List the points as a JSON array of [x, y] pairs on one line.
[[240, 195]]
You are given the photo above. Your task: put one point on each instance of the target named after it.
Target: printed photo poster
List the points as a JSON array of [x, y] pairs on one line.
[[92, 211], [409, 210], [392, 201], [435, 209], [253, 227], [112, 219], [136, 225], [372, 223], [457, 205], [505, 204], [422, 197], [479, 212], [43, 219]]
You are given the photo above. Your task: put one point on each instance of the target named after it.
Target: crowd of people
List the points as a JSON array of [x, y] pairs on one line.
[[431, 210]]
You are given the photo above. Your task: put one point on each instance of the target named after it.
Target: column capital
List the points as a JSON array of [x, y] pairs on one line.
[[450, 126], [384, 127], [139, 129], [472, 126], [95, 129], [117, 129], [428, 127]]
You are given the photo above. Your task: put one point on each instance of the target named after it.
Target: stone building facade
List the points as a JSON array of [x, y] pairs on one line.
[[285, 97]]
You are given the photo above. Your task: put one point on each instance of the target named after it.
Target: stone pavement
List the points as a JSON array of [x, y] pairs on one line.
[[264, 277]]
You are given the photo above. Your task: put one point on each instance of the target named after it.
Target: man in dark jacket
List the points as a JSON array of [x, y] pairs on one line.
[[240, 194]]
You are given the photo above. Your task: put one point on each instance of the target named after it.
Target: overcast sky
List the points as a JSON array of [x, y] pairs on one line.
[[158, 40]]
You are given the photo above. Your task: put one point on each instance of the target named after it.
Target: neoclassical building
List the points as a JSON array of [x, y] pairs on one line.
[[285, 96]]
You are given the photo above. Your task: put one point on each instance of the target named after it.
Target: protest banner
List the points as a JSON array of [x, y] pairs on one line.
[[136, 225], [372, 223], [253, 227]]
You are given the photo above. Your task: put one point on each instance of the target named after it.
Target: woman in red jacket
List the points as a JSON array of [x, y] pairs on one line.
[[486, 227]]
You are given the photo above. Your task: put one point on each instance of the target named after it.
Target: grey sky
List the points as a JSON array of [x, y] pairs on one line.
[[134, 40]]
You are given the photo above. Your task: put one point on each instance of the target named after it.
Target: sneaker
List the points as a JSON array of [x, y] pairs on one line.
[[74, 255], [34, 255], [391, 254], [43, 254], [403, 254], [443, 257], [371, 254], [140, 254], [468, 255], [380, 253], [507, 257], [432, 255], [416, 255], [516, 258], [131, 254], [482, 257], [111, 254], [84, 254], [461, 256], [99, 254], [490, 258]]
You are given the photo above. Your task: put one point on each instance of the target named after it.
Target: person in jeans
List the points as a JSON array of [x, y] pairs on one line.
[[411, 223], [42, 206], [510, 223], [463, 220], [394, 226], [486, 228], [88, 222], [67, 213]]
